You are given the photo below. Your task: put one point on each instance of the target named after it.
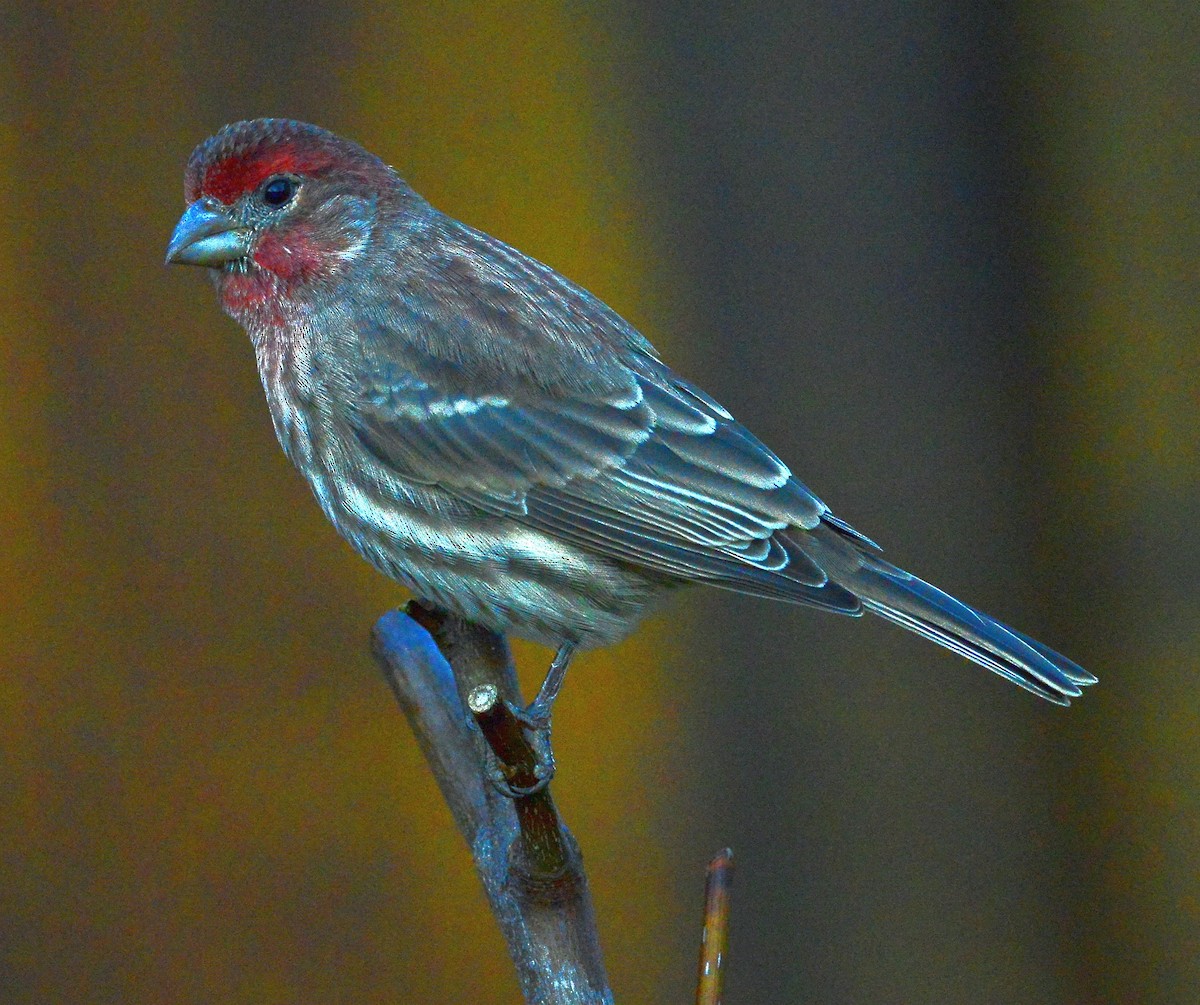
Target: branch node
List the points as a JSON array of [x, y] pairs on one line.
[[482, 698]]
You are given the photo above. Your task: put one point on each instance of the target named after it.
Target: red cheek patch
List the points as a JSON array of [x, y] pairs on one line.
[[293, 254]]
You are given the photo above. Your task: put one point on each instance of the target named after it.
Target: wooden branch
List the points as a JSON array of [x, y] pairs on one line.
[[530, 865]]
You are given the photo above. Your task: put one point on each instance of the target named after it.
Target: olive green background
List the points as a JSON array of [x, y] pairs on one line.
[[943, 260]]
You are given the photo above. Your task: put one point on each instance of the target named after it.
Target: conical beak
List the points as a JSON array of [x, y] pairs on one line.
[[205, 235]]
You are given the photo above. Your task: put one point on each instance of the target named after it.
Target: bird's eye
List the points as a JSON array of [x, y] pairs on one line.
[[278, 191]]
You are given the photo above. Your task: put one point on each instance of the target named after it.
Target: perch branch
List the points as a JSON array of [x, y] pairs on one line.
[[531, 868]]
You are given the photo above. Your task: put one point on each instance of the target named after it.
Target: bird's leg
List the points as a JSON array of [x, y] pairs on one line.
[[537, 715]]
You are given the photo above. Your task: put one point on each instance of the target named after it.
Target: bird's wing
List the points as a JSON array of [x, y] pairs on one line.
[[625, 458], [655, 476]]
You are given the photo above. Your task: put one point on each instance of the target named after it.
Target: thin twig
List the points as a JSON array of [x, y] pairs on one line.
[[714, 942]]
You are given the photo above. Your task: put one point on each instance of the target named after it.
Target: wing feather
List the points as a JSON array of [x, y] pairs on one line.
[[557, 414]]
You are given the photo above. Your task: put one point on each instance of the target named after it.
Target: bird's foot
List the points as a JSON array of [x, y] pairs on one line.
[[524, 780], [521, 780]]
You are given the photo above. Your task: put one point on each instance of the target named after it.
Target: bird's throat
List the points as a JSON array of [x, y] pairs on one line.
[[253, 297]]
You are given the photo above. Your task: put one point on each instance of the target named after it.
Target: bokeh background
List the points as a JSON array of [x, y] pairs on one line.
[[942, 257]]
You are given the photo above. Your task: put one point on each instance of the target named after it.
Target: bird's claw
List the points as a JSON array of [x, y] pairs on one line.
[[510, 790], [536, 723]]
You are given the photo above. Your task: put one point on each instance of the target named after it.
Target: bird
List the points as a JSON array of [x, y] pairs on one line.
[[499, 440]]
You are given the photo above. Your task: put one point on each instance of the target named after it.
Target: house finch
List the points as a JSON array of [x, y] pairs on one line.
[[497, 439]]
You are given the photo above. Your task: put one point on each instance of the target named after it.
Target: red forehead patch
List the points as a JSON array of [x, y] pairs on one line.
[[238, 158], [233, 176]]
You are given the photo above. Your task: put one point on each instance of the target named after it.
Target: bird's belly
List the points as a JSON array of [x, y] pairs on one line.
[[489, 569]]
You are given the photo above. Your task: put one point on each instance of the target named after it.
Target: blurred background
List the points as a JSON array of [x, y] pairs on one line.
[[941, 257]]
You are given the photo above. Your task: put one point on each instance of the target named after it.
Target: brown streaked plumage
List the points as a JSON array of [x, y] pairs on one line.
[[500, 441]]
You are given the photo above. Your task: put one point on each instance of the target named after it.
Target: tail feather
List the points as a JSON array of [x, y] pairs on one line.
[[860, 580], [905, 600]]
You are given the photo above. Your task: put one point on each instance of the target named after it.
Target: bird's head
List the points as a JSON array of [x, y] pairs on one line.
[[273, 205]]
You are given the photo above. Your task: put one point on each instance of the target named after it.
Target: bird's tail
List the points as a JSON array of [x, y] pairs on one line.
[[912, 603]]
